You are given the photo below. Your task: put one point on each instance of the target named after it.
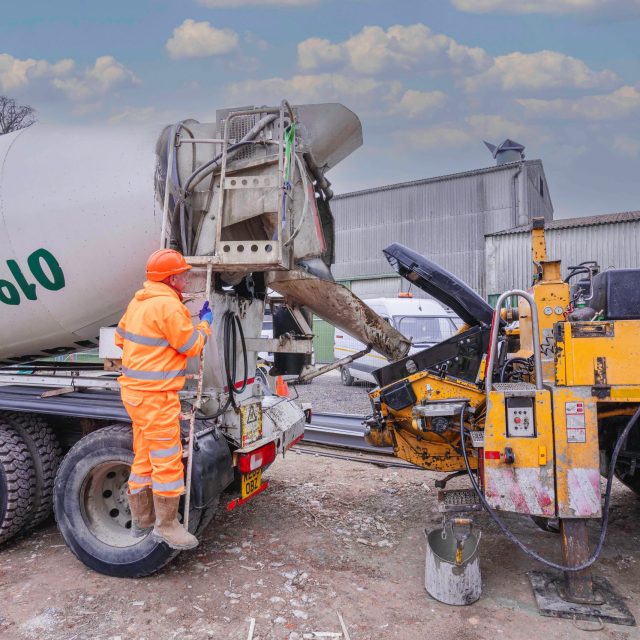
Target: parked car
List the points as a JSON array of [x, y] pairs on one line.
[[426, 322]]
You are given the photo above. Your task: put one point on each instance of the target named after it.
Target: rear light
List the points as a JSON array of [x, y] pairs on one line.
[[248, 462], [405, 294]]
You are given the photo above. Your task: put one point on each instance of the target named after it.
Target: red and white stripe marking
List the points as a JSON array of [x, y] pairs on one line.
[[523, 490]]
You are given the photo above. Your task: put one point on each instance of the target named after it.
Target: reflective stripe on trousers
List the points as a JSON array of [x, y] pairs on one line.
[[139, 374], [156, 441]]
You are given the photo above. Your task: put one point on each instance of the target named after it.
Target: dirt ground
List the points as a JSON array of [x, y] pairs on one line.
[[328, 536]]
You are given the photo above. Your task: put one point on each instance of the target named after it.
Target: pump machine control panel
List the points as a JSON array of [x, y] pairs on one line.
[[520, 418]]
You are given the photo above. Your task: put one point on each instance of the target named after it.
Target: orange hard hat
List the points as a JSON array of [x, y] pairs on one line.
[[164, 263]]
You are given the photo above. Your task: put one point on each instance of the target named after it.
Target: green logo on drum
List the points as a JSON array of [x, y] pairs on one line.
[[43, 267]]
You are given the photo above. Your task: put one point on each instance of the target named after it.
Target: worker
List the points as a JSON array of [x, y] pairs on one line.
[[157, 337]]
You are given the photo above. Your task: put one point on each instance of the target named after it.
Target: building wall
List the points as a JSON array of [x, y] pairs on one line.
[[508, 256], [445, 219]]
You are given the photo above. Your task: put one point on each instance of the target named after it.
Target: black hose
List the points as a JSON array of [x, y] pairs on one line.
[[605, 510], [231, 327], [503, 369], [248, 139]]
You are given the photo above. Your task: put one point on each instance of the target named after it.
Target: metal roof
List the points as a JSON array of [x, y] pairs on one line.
[[583, 221], [450, 176]]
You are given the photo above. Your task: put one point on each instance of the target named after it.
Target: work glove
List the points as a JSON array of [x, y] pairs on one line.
[[206, 314]]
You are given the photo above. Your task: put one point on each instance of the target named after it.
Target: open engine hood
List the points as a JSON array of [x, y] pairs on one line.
[[440, 284]]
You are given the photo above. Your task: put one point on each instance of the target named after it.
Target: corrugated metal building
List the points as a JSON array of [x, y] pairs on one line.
[[613, 240], [444, 218]]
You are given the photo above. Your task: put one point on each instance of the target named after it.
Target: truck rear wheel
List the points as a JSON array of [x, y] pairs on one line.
[[92, 509], [17, 484], [45, 454]]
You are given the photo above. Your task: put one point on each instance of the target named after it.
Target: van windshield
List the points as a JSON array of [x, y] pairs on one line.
[[423, 329]]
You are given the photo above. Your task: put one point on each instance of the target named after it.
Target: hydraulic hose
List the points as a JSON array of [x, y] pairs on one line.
[[231, 328], [247, 139], [605, 510], [512, 361]]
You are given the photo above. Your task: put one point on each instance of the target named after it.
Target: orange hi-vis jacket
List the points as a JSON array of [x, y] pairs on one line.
[[157, 337]]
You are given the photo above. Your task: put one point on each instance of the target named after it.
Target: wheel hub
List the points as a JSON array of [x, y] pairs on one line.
[[105, 505]]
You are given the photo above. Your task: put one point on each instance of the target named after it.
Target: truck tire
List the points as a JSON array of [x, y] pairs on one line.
[[92, 510], [17, 484], [347, 378], [45, 454]]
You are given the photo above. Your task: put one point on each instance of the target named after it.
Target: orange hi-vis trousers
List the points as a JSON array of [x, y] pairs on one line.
[[157, 462]]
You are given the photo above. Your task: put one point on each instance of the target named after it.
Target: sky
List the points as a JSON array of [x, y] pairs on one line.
[[429, 79]]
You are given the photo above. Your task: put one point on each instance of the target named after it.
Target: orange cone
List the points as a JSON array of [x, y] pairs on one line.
[[282, 388]]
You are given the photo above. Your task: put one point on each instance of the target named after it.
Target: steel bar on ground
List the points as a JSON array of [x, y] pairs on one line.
[[340, 430]]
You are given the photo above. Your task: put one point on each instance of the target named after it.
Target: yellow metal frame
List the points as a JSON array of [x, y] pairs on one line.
[[425, 448], [527, 483]]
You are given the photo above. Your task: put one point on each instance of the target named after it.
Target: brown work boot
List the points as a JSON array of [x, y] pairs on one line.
[[167, 527], [143, 515]]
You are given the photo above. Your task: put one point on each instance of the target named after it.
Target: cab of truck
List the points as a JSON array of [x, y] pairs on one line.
[[424, 321]]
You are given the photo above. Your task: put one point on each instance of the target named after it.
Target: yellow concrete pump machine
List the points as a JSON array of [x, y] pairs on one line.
[[533, 401]]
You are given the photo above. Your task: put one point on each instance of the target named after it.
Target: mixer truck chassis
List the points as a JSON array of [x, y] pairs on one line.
[[89, 495]]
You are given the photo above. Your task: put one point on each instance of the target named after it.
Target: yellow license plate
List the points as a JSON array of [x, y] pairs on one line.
[[251, 482]]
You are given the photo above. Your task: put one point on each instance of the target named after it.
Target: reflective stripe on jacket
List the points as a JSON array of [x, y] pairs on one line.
[[157, 337]]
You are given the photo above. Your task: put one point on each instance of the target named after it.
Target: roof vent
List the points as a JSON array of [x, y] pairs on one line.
[[508, 151]]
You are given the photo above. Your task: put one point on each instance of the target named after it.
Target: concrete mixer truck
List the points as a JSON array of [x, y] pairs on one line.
[[246, 200]]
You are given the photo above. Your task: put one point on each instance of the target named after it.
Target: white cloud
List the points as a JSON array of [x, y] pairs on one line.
[[558, 7], [319, 52], [106, 74], [16, 73], [133, 115], [538, 71], [472, 130], [199, 40], [216, 4], [414, 103], [435, 137], [323, 87], [610, 106], [374, 50], [367, 95], [498, 128], [626, 146]]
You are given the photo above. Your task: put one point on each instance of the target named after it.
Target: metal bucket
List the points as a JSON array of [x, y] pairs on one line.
[[446, 581]]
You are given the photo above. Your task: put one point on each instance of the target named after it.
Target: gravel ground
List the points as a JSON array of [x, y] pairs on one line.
[[327, 394], [328, 536]]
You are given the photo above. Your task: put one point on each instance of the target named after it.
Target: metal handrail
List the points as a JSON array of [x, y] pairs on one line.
[[495, 326]]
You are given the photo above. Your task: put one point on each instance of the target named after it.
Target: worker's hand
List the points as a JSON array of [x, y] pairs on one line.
[[206, 314]]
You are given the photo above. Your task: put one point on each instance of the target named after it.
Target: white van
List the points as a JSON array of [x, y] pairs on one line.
[[425, 321]]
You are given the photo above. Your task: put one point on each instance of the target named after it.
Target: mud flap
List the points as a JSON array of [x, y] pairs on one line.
[[212, 468]]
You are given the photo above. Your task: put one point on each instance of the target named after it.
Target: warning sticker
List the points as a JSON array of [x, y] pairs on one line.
[[576, 428], [251, 423]]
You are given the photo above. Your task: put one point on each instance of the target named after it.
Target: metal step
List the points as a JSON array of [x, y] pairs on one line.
[[458, 500]]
